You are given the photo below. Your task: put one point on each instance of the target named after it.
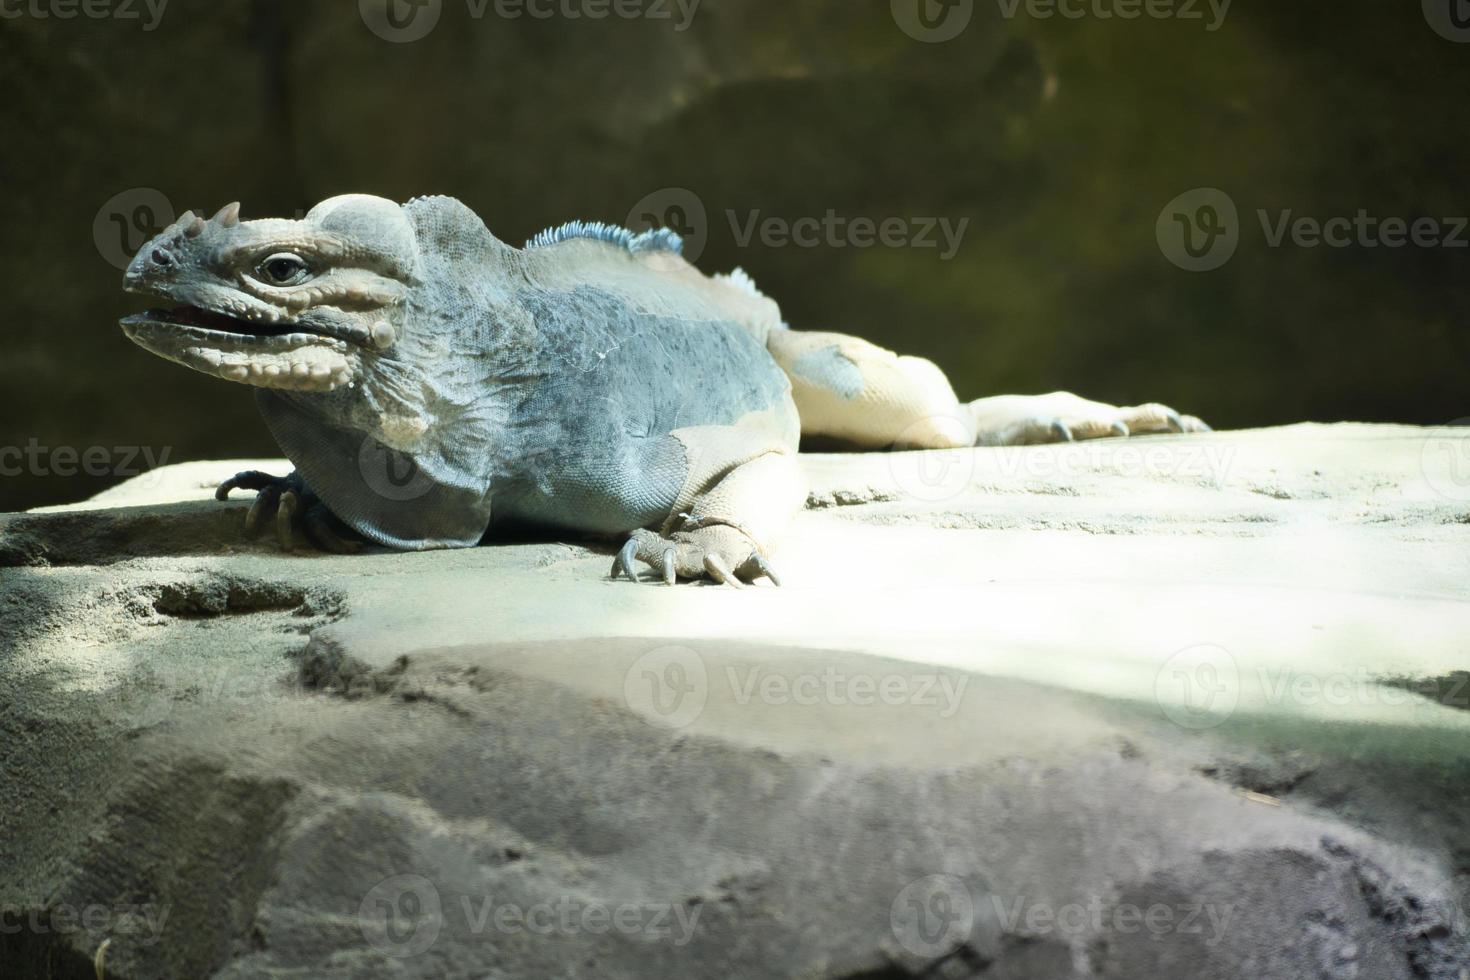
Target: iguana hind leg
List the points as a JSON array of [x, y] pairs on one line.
[[860, 394]]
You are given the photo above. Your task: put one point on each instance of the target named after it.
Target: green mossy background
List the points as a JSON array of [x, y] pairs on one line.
[[1061, 141]]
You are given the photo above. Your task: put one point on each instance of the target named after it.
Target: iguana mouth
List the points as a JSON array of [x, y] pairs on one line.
[[251, 350], [197, 323]]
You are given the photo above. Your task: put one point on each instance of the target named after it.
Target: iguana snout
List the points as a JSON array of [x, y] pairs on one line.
[[291, 304]]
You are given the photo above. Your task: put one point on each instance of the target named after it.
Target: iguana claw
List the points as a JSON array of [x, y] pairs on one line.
[[624, 561], [265, 501], [328, 533], [286, 518], [720, 572], [764, 567], [294, 507]]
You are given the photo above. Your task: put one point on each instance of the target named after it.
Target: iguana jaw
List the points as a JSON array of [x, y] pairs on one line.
[[249, 351], [300, 305]]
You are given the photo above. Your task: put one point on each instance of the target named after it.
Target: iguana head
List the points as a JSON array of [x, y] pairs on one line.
[[302, 305]]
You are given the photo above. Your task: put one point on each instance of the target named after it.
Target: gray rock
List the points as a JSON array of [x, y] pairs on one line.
[[1102, 711]]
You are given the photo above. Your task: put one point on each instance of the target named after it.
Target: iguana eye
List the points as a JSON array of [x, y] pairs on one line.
[[284, 269]]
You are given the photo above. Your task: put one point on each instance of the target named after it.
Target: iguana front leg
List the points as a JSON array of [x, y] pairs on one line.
[[293, 506], [729, 530], [698, 551]]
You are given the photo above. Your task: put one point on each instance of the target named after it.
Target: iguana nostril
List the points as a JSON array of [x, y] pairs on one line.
[[160, 257]]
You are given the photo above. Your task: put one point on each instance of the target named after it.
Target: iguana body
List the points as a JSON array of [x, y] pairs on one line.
[[592, 381]]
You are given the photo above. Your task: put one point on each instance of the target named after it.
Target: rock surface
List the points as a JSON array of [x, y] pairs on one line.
[[1160, 708]]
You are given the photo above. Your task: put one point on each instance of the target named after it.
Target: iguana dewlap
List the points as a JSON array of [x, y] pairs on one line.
[[431, 383]]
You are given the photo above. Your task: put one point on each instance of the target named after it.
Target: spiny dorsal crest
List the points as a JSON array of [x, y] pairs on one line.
[[657, 240]]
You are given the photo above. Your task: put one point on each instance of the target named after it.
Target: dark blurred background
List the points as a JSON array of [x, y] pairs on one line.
[[1062, 141]]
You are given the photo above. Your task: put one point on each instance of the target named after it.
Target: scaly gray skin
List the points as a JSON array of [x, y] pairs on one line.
[[431, 383], [592, 382]]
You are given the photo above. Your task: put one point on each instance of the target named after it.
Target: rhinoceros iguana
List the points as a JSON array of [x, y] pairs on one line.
[[592, 381]]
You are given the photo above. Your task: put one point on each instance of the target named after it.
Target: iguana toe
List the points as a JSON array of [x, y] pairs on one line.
[[757, 566], [285, 519], [265, 501], [328, 533], [248, 480], [720, 572], [624, 561]]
